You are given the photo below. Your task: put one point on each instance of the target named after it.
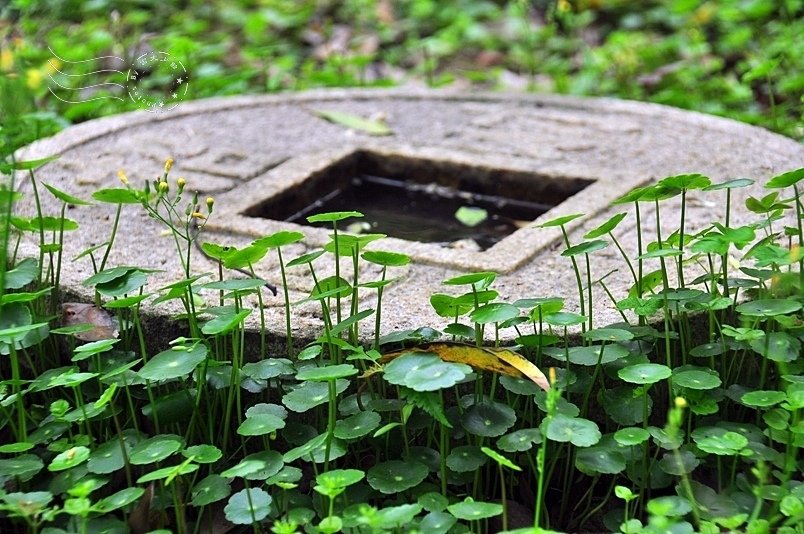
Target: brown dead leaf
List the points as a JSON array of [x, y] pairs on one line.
[[502, 361], [103, 323]]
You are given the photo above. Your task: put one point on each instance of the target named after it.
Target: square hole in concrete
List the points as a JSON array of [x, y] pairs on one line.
[[416, 199]]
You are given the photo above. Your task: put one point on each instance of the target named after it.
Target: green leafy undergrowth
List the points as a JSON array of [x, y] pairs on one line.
[[639, 426]]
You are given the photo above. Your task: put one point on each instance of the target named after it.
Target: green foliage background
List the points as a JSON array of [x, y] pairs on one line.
[[742, 59]]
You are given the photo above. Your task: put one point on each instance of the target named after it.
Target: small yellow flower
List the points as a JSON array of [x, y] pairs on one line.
[[52, 66], [34, 78], [551, 373], [199, 215], [121, 175], [6, 59], [210, 203], [163, 187], [680, 402], [181, 182], [168, 165]]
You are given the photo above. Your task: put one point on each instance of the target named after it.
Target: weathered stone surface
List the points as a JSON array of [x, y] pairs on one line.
[[245, 149]]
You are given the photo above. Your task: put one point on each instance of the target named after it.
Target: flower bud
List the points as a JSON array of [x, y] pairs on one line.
[[168, 165], [181, 182], [210, 203], [163, 187], [680, 402], [121, 175]]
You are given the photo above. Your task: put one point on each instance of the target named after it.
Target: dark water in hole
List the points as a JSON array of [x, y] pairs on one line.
[[424, 212]]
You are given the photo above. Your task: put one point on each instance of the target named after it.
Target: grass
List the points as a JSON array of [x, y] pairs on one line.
[[737, 58], [437, 429]]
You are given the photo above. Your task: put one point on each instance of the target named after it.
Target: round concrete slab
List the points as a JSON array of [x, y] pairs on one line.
[[250, 151]]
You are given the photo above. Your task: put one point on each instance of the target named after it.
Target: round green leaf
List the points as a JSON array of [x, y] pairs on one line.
[[174, 362], [244, 468], [398, 516], [565, 319], [120, 499], [154, 449], [357, 425], [267, 408], [466, 458], [271, 462], [386, 259], [685, 181], [260, 424], [225, 323], [248, 506], [520, 386], [786, 179], [433, 501], [608, 334], [696, 379], [108, 458], [678, 463], [580, 432], [437, 522], [327, 372], [496, 312], [470, 510], [777, 346], [236, 284], [725, 444], [479, 280], [203, 454], [471, 216], [20, 446], [520, 440], [424, 371], [488, 419], [333, 216], [707, 350], [311, 394], [588, 355], [586, 247], [22, 274], [449, 306], [268, 368], [69, 458], [340, 478], [631, 436], [23, 466], [396, 476], [606, 227], [560, 221], [730, 184], [768, 307], [117, 196], [280, 239], [644, 373], [425, 455], [669, 506], [763, 399], [599, 460]]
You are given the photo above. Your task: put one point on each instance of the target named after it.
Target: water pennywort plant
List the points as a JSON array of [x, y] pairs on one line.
[[684, 417]]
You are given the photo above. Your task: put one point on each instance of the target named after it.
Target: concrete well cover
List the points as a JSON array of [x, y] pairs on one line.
[[244, 150]]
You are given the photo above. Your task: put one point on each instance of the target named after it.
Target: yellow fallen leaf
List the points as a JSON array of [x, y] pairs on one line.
[[502, 361]]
